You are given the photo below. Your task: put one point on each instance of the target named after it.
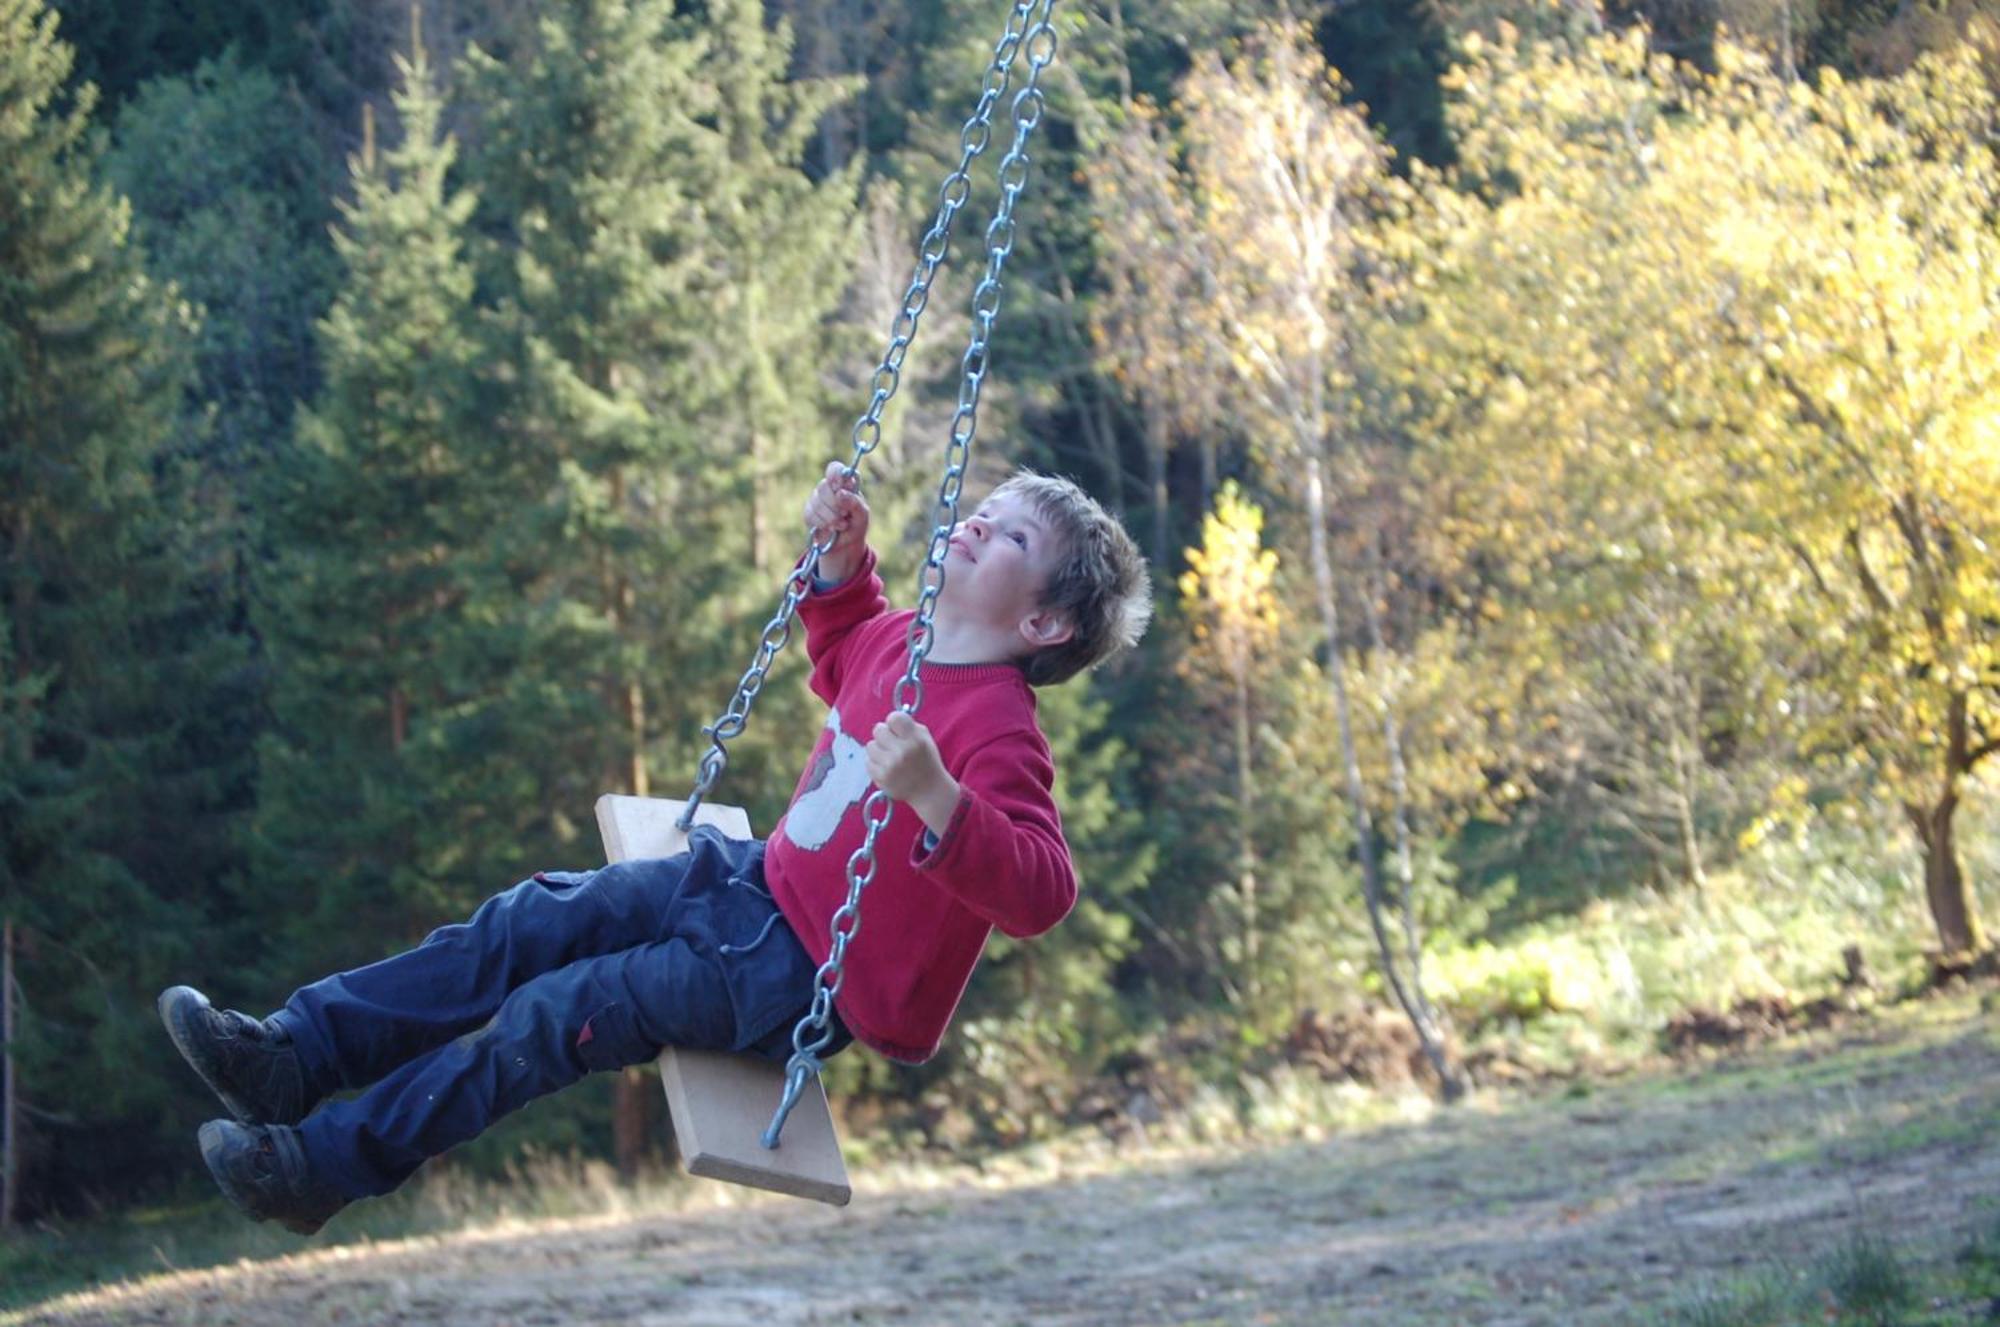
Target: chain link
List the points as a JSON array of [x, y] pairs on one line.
[[867, 434], [813, 1033]]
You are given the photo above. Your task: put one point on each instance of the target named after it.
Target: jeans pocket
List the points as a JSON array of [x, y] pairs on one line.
[[609, 1039], [769, 975]]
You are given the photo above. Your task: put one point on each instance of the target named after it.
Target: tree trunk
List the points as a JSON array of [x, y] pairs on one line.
[[1364, 842], [21, 591], [1399, 792], [1094, 414], [633, 1102], [1246, 852], [1692, 869], [760, 534], [10, 1147], [1156, 483], [630, 1096], [399, 719], [632, 700], [628, 696], [1945, 887]]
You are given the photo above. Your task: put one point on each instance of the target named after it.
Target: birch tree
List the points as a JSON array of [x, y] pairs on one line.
[[1227, 592], [1285, 178]]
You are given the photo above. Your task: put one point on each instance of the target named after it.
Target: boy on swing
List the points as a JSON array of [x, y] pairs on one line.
[[567, 973]]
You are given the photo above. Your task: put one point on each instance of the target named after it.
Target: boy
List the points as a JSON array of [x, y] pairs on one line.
[[571, 972]]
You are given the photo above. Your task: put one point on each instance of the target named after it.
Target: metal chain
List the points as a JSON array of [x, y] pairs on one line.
[[813, 1032], [867, 435]]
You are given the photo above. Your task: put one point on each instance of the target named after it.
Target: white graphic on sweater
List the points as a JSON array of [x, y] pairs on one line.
[[838, 780]]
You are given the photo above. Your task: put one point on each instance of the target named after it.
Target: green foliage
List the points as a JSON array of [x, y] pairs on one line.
[[1393, 55], [1978, 1261], [231, 197], [119, 779], [1605, 979], [645, 356], [1731, 444], [1036, 1017], [1868, 1280], [382, 609], [778, 241], [124, 44]]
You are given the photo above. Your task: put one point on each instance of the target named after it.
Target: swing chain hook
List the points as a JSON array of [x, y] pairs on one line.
[[801, 1070]]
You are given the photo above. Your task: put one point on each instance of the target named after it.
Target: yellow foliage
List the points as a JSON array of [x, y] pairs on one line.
[[1228, 587], [1734, 332], [1541, 974]]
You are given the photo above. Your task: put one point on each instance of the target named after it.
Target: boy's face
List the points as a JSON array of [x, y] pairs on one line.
[[997, 568]]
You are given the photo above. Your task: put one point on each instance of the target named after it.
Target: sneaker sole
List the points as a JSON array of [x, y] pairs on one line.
[[212, 1137], [175, 1015]]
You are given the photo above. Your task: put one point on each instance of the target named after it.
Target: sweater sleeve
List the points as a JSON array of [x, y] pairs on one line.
[[1003, 854], [832, 619]]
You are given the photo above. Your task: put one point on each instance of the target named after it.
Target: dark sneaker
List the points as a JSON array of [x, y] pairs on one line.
[[262, 1169], [250, 1063]]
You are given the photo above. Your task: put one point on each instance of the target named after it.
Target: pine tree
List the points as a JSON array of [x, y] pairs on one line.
[[780, 379], [665, 264], [108, 651], [232, 199], [383, 809], [656, 247], [585, 178], [782, 241]]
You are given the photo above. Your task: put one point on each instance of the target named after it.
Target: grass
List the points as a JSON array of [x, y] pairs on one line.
[[1869, 1280], [1593, 988]]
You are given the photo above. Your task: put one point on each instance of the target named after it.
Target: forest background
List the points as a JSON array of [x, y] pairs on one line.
[[1564, 439]]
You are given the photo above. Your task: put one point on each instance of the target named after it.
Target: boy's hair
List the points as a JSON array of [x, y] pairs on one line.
[[1099, 584]]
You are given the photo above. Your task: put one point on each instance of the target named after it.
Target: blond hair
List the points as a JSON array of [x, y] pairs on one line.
[[1099, 584]]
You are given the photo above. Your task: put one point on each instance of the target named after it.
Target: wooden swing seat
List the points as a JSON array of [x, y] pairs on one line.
[[721, 1103]]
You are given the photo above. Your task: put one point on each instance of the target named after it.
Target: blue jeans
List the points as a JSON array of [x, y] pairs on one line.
[[562, 975]]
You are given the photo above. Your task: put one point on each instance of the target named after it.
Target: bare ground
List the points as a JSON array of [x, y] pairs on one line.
[[1533, 1208]]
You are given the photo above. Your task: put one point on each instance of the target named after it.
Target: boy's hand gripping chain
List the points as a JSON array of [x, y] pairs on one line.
[[813, 1031], [952, 195]]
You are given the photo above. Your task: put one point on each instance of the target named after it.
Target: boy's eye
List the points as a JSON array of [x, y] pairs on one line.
[[1018, 538]]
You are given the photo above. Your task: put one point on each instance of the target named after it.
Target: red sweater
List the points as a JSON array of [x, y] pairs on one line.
[[925, 916]]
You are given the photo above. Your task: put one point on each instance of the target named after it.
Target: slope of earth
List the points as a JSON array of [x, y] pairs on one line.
[[1524, 1209]]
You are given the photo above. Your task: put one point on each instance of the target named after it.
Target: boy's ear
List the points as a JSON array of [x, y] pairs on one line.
[[1047, 628]]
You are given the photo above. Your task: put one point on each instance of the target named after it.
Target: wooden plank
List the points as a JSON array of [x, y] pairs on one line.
[[645, 827], [720, 1104]]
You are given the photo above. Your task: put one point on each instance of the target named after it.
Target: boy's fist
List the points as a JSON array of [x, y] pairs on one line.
[[836, 510], [903, 761]]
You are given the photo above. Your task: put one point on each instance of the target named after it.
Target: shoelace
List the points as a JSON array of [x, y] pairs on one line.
[[232, 1026], [283, 1156]]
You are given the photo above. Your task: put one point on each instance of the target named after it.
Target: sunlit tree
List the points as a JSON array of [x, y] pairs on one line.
[[1739, 331], [1146, 325], [1232, 608]]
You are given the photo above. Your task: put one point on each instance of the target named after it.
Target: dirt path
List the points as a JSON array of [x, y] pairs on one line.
[[1543, 1211]]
